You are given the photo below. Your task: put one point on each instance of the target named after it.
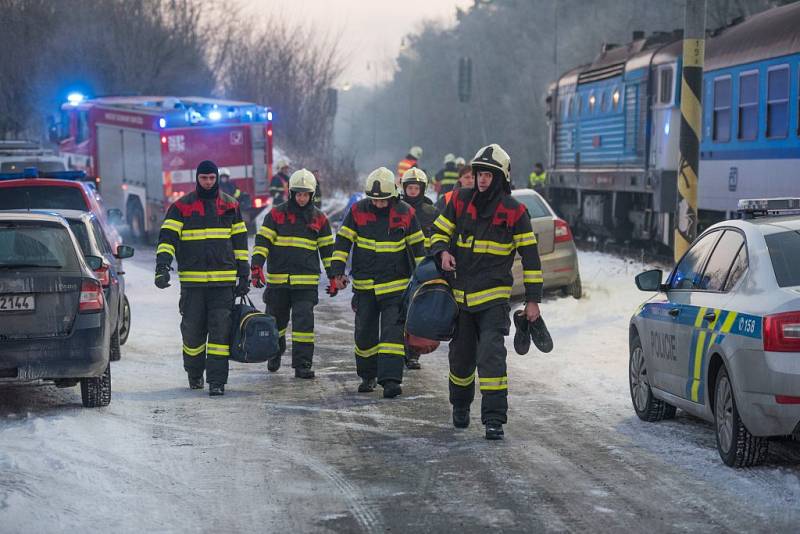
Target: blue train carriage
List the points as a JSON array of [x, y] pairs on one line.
[[613, 167]]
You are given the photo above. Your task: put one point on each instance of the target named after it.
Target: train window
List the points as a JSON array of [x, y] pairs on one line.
[[615, 99], [748, 106], [665, 86], [722, 109], [604, 101], [778, 102], [592, 100]]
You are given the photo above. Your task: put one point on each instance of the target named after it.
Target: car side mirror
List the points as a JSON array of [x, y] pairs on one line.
[[123, 252], [114, 215], [650, 280], [94, 262]]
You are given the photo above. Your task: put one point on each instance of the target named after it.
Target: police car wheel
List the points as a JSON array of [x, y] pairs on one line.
[[647, 407], [96, 391], [736, 445], [125, 326]]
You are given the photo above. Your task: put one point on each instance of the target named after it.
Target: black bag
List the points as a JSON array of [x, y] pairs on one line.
[[254, 334], [432, 310]]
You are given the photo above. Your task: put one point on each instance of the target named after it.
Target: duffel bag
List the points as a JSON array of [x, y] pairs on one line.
[[431, 317], [254, 335]]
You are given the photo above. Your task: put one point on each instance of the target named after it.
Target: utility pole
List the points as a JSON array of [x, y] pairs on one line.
[[694, 32]]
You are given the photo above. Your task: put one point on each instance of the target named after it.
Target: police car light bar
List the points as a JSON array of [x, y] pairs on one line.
[[759, 207], [33, 172]]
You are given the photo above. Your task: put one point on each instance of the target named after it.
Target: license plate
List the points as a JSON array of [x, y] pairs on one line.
[[17, 303]]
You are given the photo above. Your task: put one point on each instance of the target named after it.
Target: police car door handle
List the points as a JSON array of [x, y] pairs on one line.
[[675, 312], [710, 316]]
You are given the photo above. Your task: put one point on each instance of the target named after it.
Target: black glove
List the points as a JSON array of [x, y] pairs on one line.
[[243, 287], [162, 276]]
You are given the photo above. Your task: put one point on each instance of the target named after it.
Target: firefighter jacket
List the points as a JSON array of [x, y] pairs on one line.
[[484, 250], [279, 188], [230, 188], [447, 178], [444, 200], [425, 213], [208, 239], [405, 164], [387, 244], [291, 241]]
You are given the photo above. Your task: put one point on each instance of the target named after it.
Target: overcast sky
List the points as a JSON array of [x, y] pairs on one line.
[[371, 29]]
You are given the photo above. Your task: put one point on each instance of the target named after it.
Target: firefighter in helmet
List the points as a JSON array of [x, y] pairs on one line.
[[293, 238], [460, 163], [414, 183], [478, 234], [204, 231], [447, 178], [279, 185], [226, 185], [387, 243], [411, 160], [465, 180]]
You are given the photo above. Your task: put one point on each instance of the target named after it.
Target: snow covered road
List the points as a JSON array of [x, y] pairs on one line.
[[276, 454]]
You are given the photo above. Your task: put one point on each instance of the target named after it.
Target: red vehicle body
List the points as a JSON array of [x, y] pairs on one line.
[[142, 151]]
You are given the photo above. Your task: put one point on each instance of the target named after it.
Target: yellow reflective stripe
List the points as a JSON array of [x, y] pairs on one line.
[[238, 228], [215, 349], [698, 364], [282, 333], [439, 237], [698, 322], [380, 246], [524, 240], [303, 337], [165, 247], [391, 287], [494, 384], [392, 348], [347, 232], [172, 224], [260, 251], [492, 247], [325, 241], [194, 351], [267, 233], [241, 255], [326, 262], [458, 294], [444, 224], [480, 297], [463, 382], [297, 242], [340, 255], [464, 244], [532, 277], [418, 259], [427, 242], [207, 276], [275, 278], [415, 238], [304, 279], [205, 233], [366, 353], [363, 284]]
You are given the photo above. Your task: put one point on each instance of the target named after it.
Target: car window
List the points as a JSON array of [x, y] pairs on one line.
[[36, 246], [688, 273], [535, 206], [42, 197], [100, 237], [721, 260], [784, 251], [82, 235], [738, 268]]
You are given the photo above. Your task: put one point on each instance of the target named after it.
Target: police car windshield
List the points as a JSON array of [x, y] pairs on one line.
[[42, 197], [784, 251]]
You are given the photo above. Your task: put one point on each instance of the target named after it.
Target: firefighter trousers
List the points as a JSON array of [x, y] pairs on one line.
[[283, 302], [479, 345], [206, 330], [379, 336]]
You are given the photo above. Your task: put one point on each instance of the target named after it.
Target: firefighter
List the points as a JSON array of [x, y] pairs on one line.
[[204, 231], [292, 239], [226, 185], [387, 243], [465, 180], [411, 160], [414, 183], [538, 178], [447, 178], [460, 163], [279, 185], [476, 236]]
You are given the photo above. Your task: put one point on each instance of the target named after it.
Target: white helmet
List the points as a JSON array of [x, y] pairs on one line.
[[414, 176], [380, 184], [415, 152], [492, 157], [224, 171], [302, 181], [460, 162], [449, 158], [281, 164]]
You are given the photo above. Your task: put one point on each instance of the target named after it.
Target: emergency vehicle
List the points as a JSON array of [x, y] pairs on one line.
[[142, 151]]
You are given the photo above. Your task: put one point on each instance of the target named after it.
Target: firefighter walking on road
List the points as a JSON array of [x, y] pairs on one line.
[[279, 185], [465, 180], [476, 236], [414, 183], [447, 178], [292, 239], [411, 160], [204, 232], [387, 243]]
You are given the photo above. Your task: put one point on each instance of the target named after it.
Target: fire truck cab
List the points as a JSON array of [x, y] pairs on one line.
[[142, 151]]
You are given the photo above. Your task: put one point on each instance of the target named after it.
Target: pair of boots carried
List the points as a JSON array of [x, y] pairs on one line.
[[527, 331]]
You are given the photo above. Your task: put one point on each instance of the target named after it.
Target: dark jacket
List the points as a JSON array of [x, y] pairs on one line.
[[387, 246], [207, 237], [425, 213], [278, 188], [447, 178]]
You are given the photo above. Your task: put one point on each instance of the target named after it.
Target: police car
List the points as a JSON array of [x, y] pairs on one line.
[[721, 338]]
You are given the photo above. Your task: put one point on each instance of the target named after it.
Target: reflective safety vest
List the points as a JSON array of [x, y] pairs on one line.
[[447, 178], [292, 243], [537, 180], [386, 245], [404, 165], [208, 239], [484, 250]]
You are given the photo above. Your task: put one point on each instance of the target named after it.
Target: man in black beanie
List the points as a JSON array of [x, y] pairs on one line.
[[205, 232]]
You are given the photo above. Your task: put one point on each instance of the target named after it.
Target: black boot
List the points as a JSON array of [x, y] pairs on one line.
[[413, 362], [215, 389], [367, 385], [460, 417], [303, 372], [540, 335], [391, 389], [494, 430], [522, 337], [273, 365], [196, 382]]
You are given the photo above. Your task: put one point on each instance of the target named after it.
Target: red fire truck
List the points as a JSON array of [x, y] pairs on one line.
[[143, 150]]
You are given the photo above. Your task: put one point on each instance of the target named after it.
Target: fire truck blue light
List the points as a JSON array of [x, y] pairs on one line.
[[162, 122], [214, 115], [75, 98], [269, 115]]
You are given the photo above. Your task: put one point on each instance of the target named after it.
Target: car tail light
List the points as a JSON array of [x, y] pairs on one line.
[[91, 296], [787, 399], [258, 202], [562, 231], [782, 332], [104, 275]]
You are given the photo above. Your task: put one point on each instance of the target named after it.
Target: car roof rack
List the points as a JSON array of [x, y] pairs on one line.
[[33, 172], [750, 208]]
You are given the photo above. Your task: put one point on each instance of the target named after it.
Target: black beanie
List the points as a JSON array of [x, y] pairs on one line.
[[207, 167]]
